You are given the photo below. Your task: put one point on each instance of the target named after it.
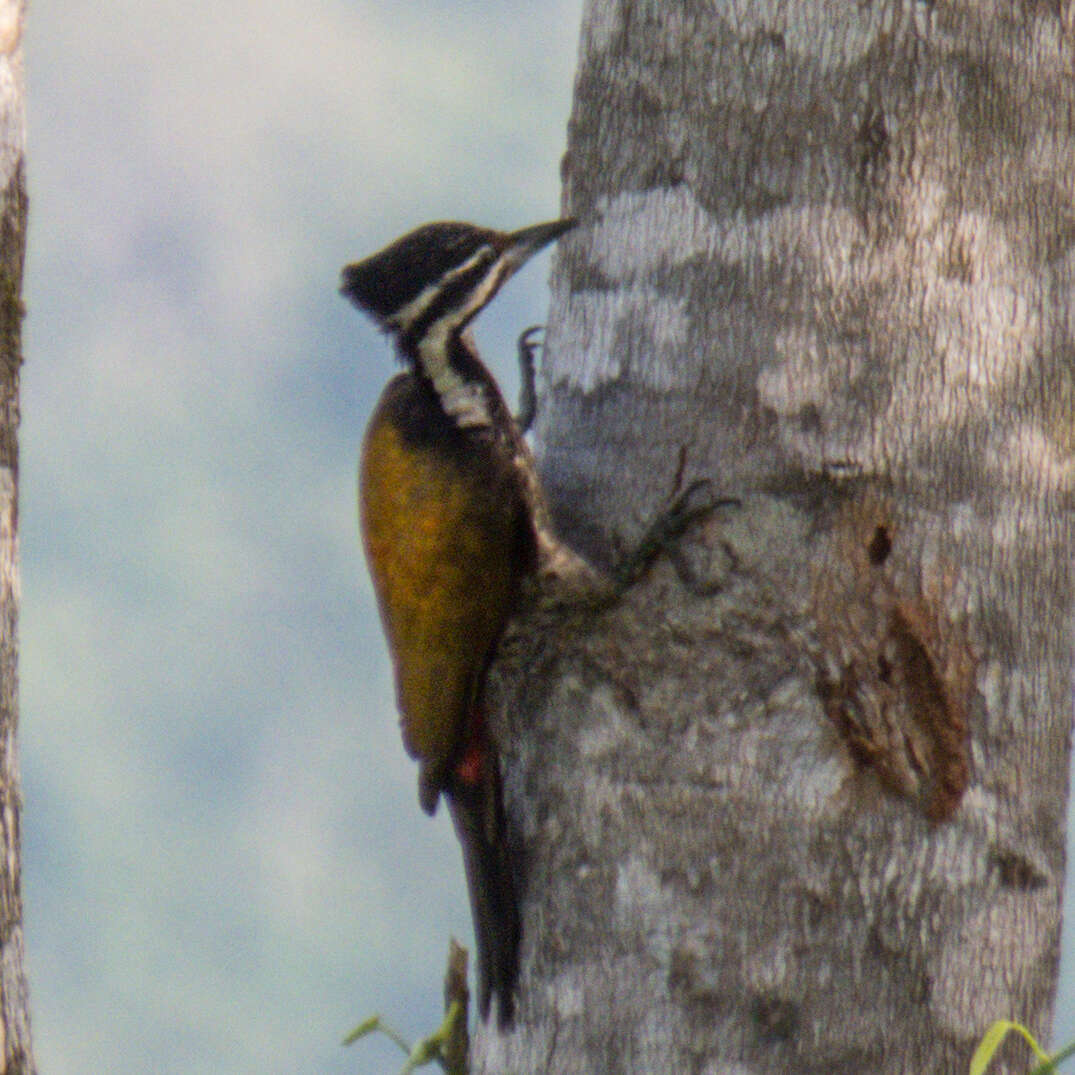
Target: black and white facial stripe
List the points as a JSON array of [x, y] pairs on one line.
[[427, 286]]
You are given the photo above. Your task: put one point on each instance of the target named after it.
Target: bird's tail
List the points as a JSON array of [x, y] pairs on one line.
[[477, 808]]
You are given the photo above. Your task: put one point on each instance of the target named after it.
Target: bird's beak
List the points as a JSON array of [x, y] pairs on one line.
[[523, 245]]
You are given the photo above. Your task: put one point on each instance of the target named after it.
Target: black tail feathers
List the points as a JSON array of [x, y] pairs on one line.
[[477, 810]]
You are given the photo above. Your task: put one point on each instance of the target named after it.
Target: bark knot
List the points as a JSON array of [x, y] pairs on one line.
[[891, 675]]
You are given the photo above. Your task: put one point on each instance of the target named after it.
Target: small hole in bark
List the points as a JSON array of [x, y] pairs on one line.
[[879, 547], [1016, 871], [777, 1019]]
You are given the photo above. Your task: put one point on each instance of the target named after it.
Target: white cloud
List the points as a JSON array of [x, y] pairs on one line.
[[217, 801]]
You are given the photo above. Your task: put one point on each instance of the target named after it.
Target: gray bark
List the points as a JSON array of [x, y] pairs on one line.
[[812, 821], [15, 1044]]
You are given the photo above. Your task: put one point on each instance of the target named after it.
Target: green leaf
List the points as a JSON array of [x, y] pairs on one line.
[[431, 1049], [990, 1043], [367, 1026], [1049, 1067], [375, 1024]]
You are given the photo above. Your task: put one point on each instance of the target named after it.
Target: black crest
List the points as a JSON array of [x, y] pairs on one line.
[[386, 281]]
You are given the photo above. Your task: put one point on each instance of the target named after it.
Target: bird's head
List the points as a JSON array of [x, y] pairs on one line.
[[434, 280]]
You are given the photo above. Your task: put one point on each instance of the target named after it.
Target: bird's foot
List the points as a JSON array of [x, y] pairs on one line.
[[664, 534], [526, 347]]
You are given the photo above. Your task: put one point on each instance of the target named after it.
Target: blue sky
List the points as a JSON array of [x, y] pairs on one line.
[[225, 864]]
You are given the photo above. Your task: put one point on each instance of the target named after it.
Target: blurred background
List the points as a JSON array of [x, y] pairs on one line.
[[225, 863]]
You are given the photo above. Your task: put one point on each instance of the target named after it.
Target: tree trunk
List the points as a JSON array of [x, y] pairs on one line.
[[15, 1048], [810, 817]]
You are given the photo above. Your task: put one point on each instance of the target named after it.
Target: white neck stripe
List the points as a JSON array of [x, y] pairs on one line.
[[463, 400], [410, 313]]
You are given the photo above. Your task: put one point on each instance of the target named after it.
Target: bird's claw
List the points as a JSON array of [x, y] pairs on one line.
[[695, 503], [526, 346]]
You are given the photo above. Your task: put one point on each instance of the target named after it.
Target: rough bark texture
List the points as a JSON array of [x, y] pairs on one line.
[[812, 821], [16, 1054]]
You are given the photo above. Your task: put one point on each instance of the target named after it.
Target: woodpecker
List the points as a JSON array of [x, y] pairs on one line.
[[454, 522]]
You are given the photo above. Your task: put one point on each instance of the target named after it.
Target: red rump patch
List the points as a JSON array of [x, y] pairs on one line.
[[470, 769], [472, 764]]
